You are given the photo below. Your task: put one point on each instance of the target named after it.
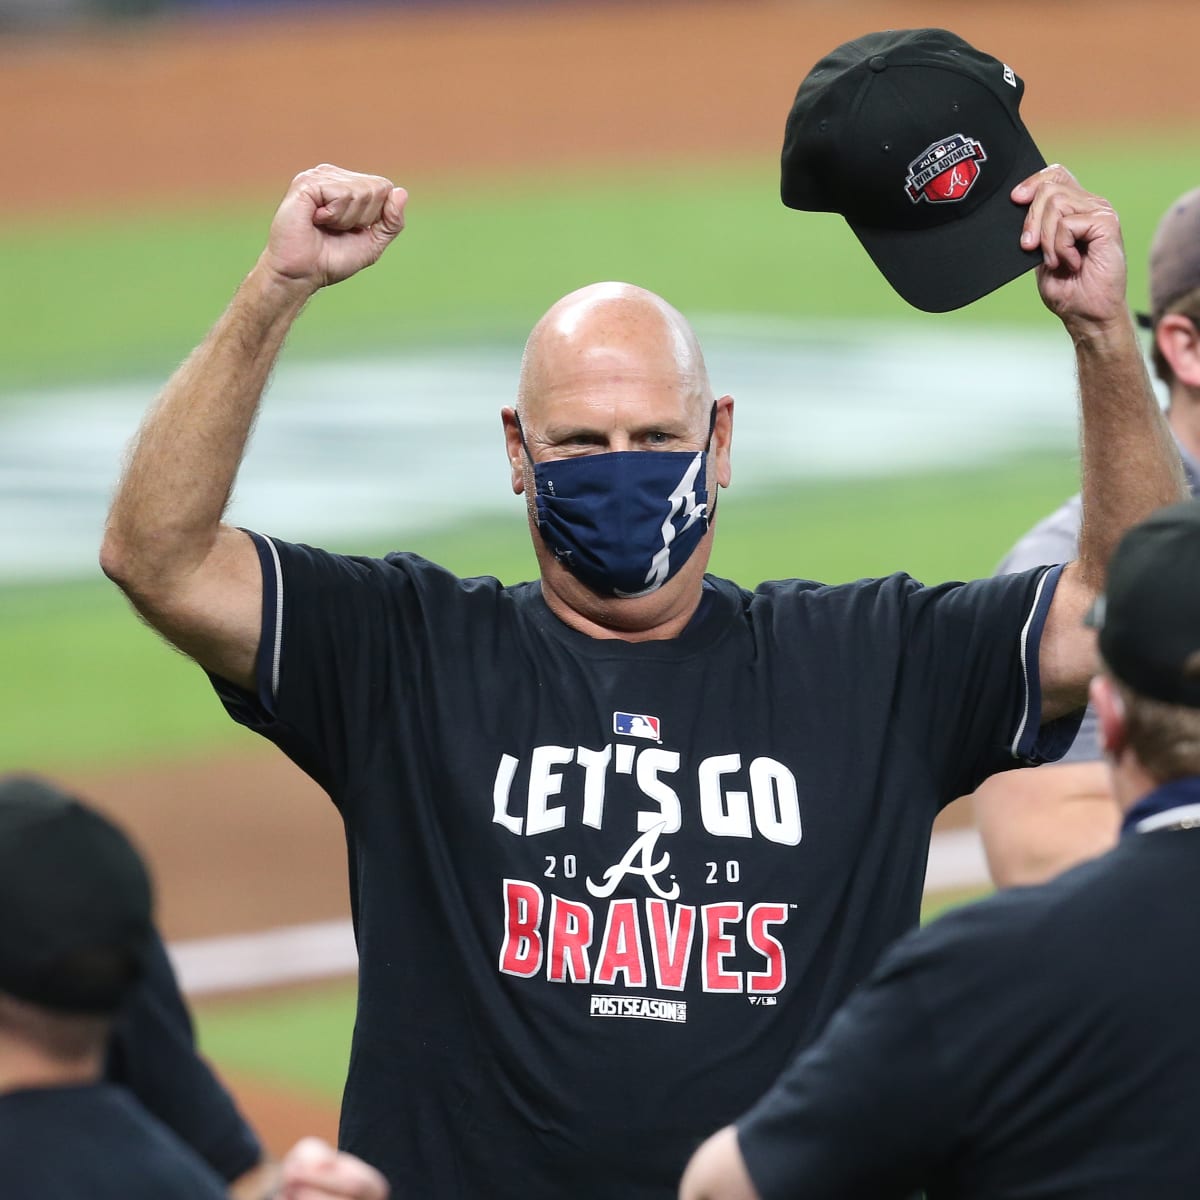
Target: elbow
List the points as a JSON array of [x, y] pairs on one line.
[[115, 559], [126, 563]]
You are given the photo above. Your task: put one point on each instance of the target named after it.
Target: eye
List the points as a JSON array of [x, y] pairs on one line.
[[656, 437], [582, 440]]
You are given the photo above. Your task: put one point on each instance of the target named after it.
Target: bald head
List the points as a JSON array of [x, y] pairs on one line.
[[605, 343]]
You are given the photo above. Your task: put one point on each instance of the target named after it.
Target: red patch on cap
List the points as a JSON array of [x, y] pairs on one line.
[[945, 171]]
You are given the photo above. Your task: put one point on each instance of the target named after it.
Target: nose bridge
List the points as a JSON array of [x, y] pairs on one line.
[[624, 410], [619, 439]]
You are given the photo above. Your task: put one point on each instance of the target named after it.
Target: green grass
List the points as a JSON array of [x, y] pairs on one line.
[[133, 293], [85, 683], [937, 903], [296, 1040]]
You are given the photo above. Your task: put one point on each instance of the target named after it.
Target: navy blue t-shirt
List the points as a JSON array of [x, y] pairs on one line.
[[152, 1052], [1039, 1045], [603, 891], [94, 1142]]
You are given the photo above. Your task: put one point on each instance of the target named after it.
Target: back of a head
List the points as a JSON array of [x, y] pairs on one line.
[[1148, 620], [1174, 271], [1175, 254], [76, 901]]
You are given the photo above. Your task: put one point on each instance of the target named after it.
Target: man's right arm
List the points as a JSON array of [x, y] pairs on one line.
[[193, 578], [1035, 822]]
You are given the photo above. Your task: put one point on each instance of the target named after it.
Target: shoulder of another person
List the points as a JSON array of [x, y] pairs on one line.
[[1053, 539], [1018, 917]]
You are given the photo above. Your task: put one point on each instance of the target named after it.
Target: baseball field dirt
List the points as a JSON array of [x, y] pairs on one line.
[[147, 117]]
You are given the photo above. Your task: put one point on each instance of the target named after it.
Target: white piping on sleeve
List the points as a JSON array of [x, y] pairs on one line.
[[278, 643], [1037, 596]]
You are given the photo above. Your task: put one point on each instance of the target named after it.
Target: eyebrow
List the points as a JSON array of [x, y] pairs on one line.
[[565, 432]]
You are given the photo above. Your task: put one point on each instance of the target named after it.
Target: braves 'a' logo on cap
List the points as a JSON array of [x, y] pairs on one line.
[[947, 170]]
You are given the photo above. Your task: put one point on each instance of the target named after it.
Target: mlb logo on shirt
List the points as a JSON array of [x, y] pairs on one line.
[[636, 725]]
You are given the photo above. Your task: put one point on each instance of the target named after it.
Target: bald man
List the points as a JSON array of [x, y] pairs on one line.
[[623, 837]]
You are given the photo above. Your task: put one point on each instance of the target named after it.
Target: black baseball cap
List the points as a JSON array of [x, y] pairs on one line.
[[915, 137], [1148, 616], [75, 902]]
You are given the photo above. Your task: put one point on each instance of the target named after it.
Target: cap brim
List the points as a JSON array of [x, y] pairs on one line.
[[954, 264]]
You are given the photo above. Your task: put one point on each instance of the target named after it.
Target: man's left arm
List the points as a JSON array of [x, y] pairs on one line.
[[1129, 464]]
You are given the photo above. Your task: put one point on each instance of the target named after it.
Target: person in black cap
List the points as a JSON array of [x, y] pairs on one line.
[[75, 933], [1041, 1042], [1037, 821], [82, 971], [627, 828]]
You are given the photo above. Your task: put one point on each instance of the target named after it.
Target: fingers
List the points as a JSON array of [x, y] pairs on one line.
[[1063, 218], [331, 224], [314, 1170], [347, 200]]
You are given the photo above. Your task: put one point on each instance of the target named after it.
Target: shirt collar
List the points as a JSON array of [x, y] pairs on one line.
[[1170, 804]]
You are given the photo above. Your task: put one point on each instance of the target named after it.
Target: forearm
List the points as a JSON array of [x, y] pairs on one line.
[[261, 1182], [166, 515], [1130, 465]]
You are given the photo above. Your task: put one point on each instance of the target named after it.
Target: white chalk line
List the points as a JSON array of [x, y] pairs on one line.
[[325, 949]]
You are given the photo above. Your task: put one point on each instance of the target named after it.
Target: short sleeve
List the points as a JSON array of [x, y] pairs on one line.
[[865, 1110], [152, 1053], [1056, 540], [344, 637], [970, 691]]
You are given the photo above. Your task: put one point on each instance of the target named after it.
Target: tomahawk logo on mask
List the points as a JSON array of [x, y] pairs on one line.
[[625, 521]]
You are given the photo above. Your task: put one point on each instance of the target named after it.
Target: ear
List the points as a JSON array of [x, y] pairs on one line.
[[1179, 342], [723, 440], [1110, 715], [514, 449]]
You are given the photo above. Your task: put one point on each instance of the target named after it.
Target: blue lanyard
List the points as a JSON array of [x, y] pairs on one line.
[[1167, 805]]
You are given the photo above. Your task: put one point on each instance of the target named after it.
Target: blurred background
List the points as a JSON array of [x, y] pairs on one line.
[[545, 145]]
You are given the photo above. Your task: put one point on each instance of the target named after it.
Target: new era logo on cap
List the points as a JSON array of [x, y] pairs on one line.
[[915, 137]]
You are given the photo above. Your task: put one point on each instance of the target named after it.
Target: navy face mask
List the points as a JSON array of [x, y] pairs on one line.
[[623, 522]]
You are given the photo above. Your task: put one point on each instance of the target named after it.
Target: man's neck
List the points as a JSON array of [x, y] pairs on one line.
[[23, 1066], [601, 618], [1183, 416], [663, 614], [1131, 782]]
